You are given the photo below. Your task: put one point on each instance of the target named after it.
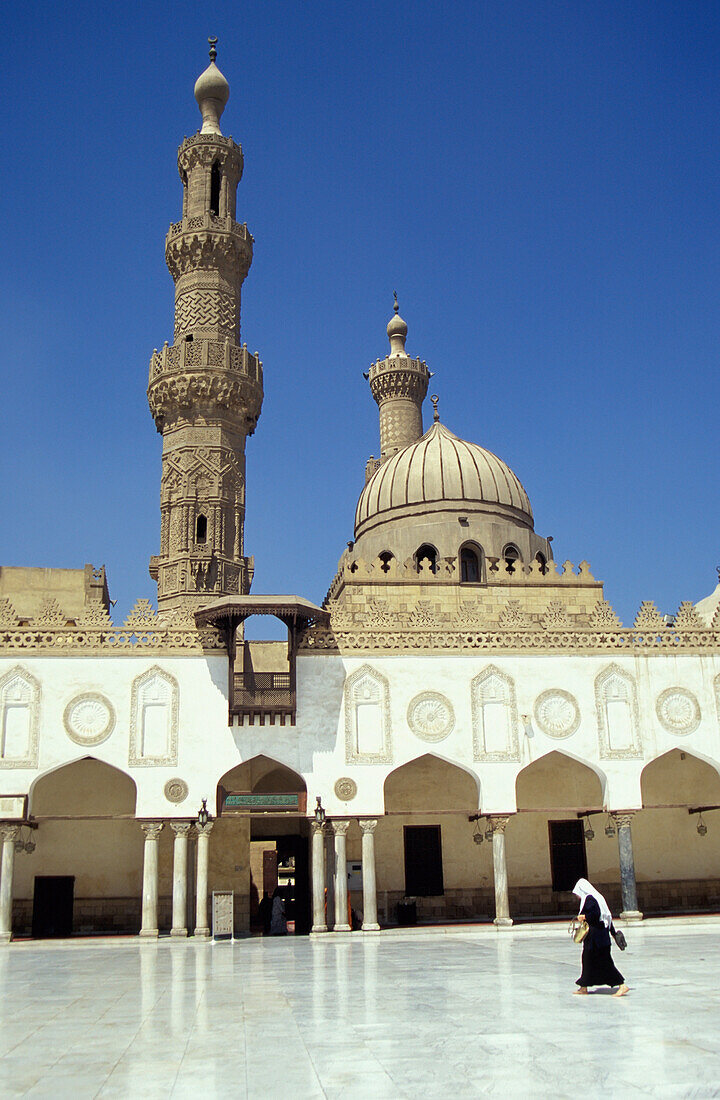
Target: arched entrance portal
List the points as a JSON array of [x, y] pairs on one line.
[[85, 872], [424, 845], [677, 867], [551, 840], [261, 818]]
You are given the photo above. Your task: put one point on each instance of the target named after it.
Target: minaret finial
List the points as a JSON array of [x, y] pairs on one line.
[[213, 51], [211, 92], [397, 330], [436, 415], [396, 307]]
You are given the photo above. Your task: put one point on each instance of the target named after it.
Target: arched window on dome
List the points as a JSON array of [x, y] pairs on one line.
[[511, 555], [426, 554], [542, 562], [470, 564], [385, 558]]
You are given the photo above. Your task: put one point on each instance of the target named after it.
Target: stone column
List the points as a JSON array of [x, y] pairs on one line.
[[179, 895], [152, 830], [8, 836], [502, 905], [329, 876], [340, 828], [628, 887], [202, 928], [370, 921], [318, 877]]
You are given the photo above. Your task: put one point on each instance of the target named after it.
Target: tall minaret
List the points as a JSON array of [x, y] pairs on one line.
[[398, 384], [205, 390]]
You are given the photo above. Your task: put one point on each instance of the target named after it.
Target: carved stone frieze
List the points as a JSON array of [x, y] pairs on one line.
[[604, 617], [8, 614]]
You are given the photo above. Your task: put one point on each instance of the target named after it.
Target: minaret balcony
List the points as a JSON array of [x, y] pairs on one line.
[[210, 222], [191, 354]]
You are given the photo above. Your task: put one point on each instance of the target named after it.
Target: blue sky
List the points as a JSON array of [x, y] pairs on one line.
[[540, 183]]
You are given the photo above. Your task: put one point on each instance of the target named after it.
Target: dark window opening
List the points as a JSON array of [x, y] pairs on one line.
[[188, 339], [567, 853], [201, 530], [426, 553], [511, 554], [423, 861], [542, 562], [386, 557], [469, 566], [215, 189]]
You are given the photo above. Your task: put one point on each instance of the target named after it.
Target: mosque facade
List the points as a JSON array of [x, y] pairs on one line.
[[462, 729]]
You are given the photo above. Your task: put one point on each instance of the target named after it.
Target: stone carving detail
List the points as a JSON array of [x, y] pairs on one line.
[[95, 615], [154, 709], [367, 717], [717, 696], [205, 309], [89, 719], [142, 617], [176, 790], [557, 713], [8, 614], [513, 617], [430, 716], [678, 711], [223, 912], [618, 714], [556, 616], [51, 614], [687, 618], [152, 829], [494, 716], [345, 789], [426, 614], [604, 617], [19, 719], [648, 617]]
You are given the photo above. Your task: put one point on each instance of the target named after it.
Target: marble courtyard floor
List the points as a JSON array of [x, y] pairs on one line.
[[472, 1014]]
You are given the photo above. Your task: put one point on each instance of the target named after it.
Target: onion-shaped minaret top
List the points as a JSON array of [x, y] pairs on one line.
[[397, 331], [212, 92]]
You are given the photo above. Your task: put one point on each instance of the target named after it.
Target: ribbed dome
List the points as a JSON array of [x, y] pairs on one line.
[[440, 468]]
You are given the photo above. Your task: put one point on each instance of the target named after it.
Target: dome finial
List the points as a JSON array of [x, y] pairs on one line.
[[212, 92], [397, 330], [436, 415]]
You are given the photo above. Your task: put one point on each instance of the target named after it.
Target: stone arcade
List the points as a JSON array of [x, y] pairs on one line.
[[478, 725]]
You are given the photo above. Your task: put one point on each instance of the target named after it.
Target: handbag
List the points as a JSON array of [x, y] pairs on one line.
[[619, 938], [578, 930]]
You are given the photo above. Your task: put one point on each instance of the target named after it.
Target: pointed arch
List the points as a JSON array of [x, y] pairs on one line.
[[431, 782], [618, 715], [680, 777], [368, 737], [82, 787], [560, 780], [19, 718], [494, 716]]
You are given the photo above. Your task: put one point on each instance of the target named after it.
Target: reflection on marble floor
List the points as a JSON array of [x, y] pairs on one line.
[[469, 1015]]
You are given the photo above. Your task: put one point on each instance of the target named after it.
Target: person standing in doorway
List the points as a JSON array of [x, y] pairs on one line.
[[598, 967], [278, 925]]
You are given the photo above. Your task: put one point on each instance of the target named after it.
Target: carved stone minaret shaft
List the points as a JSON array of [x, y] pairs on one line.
[[205, 390], [399, 384]]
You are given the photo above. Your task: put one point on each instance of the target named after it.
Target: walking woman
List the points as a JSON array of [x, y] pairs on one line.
[[597, 965]]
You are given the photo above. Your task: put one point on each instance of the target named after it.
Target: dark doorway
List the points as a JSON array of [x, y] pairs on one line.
[[287, 869], [567, 853], [423, 861], [53, 906]]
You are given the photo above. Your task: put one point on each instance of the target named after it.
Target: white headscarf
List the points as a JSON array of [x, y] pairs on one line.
[[583, 889]]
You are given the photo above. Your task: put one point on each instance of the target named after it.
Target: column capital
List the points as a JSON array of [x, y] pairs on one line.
[[181, 828], [204, 830], [622, 817], [8, 831], [367, 824], [340, 826], [152, 829], [498, 822], [317, 827]]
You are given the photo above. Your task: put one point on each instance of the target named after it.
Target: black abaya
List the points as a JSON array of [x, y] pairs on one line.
[[597, 965]]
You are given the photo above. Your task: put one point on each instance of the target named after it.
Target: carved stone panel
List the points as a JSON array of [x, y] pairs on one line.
[[494, 716], [617, 713], [345, 789], [367, 717], [430, 716], [557, 713], [19, 719], [154, 709], [89, 719], [678, 711]]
